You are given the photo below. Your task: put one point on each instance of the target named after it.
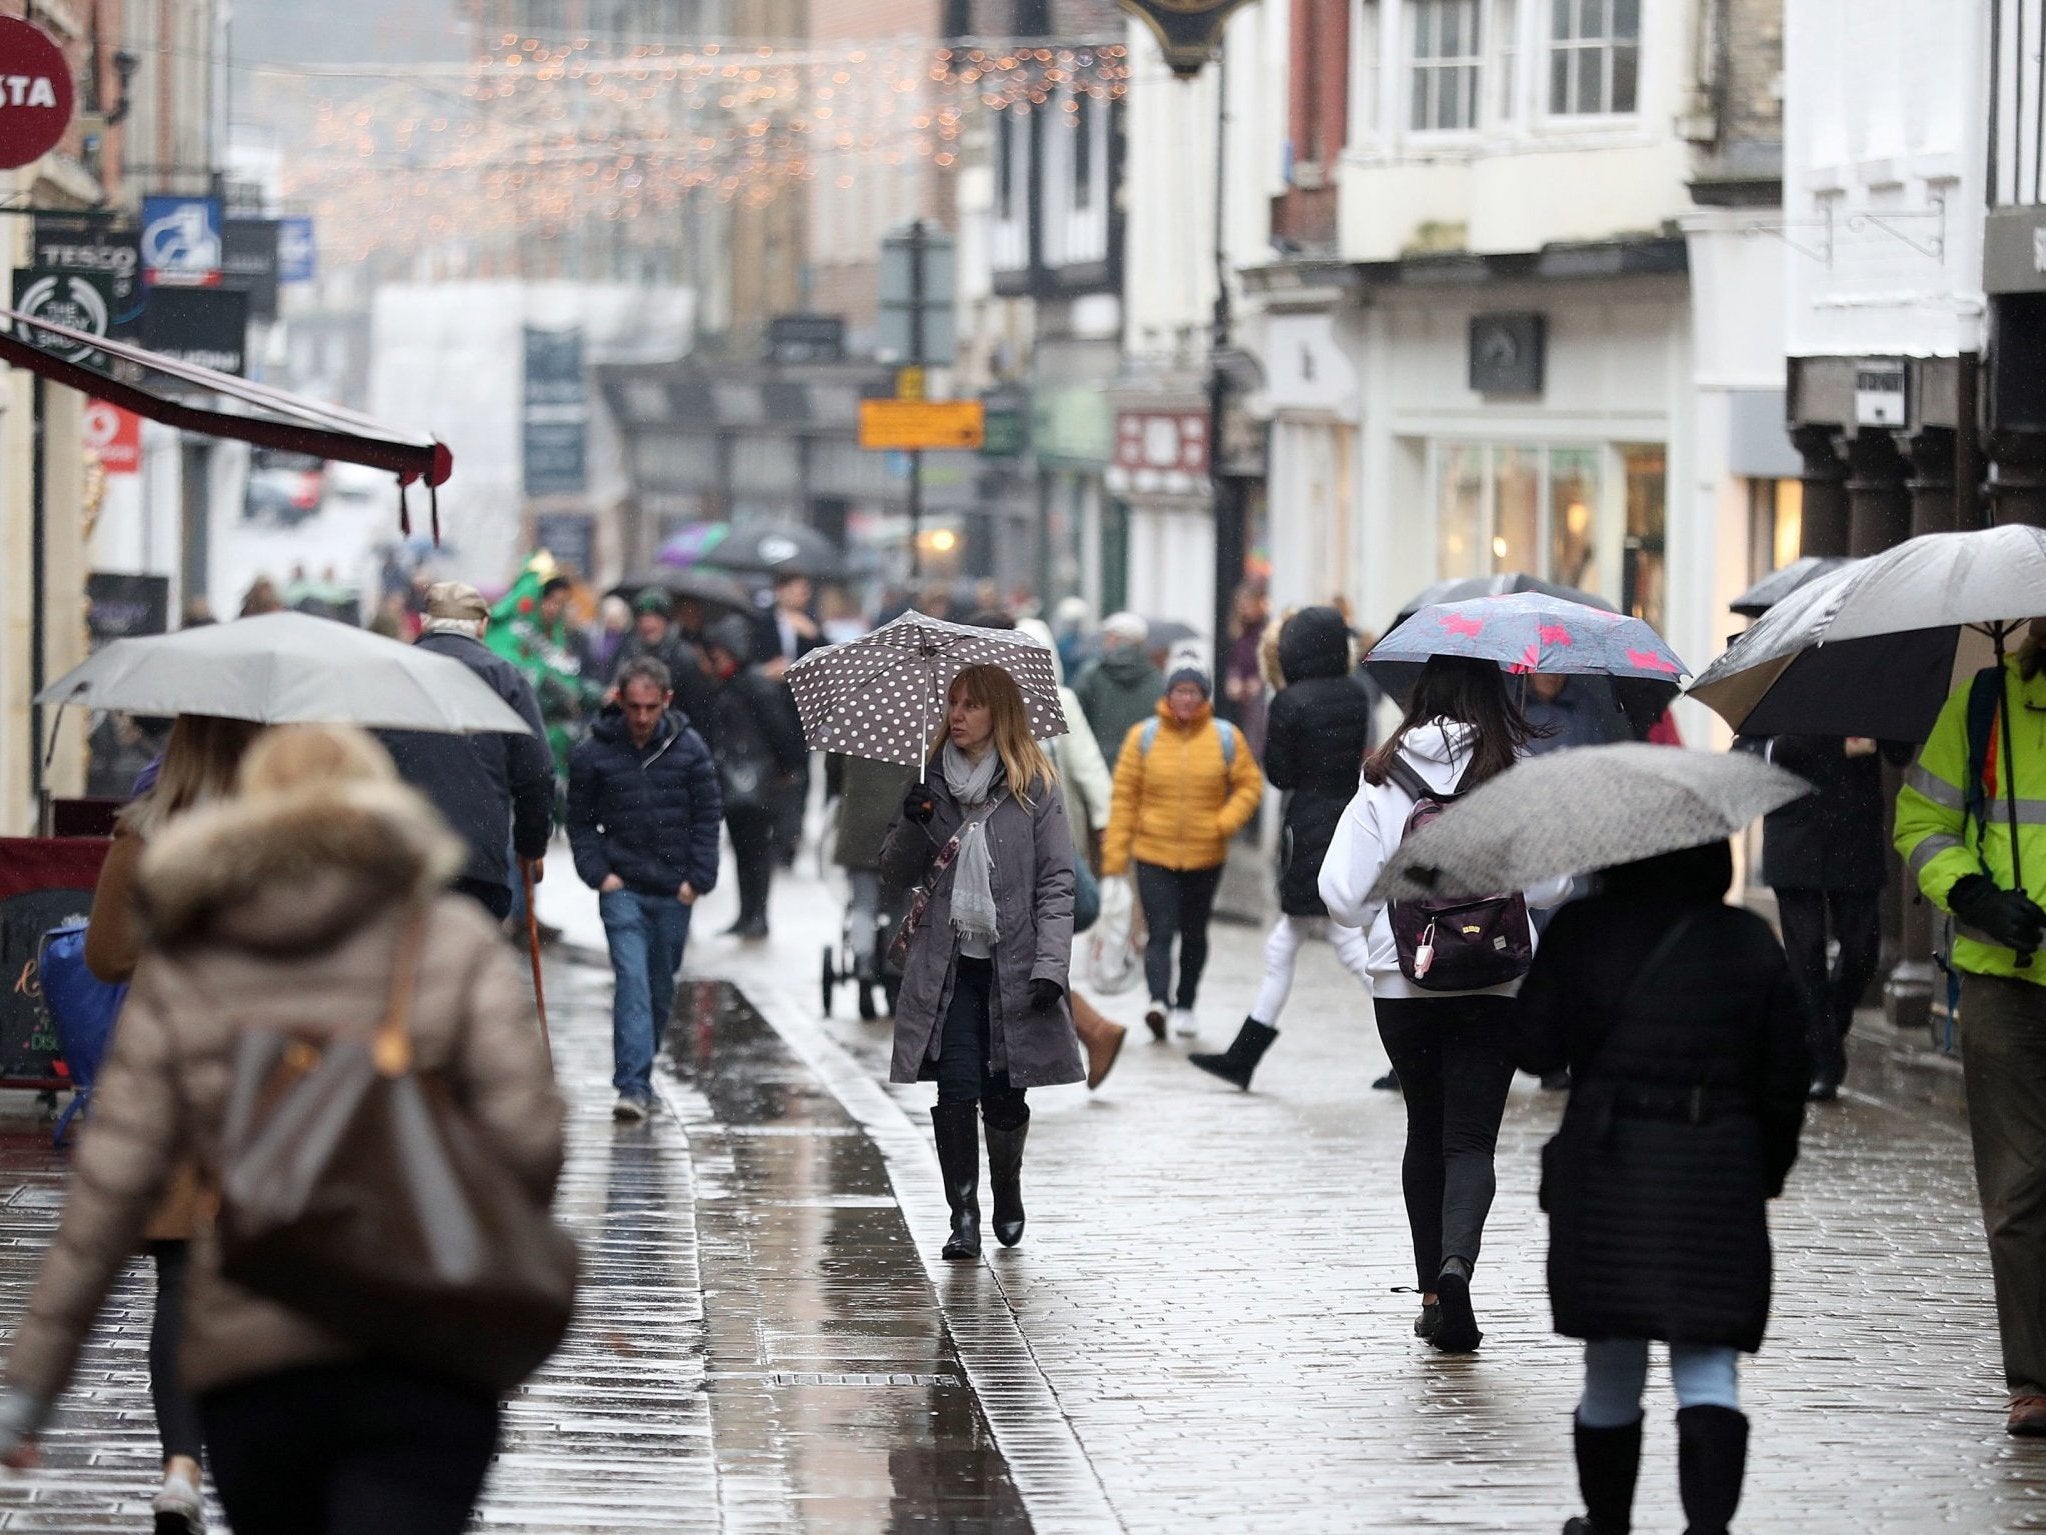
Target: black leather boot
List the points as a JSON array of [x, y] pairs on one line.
[[1237, 1062], [1005, 1177], [1712, 1461], [1608, 1460], [957, 1128]]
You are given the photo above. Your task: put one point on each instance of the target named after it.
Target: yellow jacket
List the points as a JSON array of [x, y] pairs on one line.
[[1178, 804]]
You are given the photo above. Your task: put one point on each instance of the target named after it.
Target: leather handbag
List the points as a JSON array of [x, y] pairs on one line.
[[356, 1192]]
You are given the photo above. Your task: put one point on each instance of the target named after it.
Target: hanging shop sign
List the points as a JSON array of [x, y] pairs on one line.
[[1881, 392], [1188, 30], [36, 95], [208, 327], [909, 425], [249, 263], [181, 245], [89, 245], [1160, 452], [114, 437], [556, 423], [571, 537], [298, 253], [64, 298]]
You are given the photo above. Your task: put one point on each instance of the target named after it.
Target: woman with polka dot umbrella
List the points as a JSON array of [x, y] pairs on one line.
[[883, 695]]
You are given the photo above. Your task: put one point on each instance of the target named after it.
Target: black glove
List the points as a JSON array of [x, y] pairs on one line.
[[1045, 995], [919, 804], [2009, 917]]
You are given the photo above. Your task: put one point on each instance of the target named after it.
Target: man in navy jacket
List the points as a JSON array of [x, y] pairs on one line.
[[643, 818]]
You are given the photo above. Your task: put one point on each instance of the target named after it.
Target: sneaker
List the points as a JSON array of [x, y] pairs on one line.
[[179, 1509], [1154, 1020], [1429, 1322], [1183, 1024], [629, 1110]]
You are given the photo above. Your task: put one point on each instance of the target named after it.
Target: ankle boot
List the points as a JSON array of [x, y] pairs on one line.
[[1237, 1062], [1608, 1460], [1102, 1039], [1712, 1460], [1005, 1177], [956, 1126]]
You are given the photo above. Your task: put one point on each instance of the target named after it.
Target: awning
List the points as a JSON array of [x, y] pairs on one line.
[[238, 408]]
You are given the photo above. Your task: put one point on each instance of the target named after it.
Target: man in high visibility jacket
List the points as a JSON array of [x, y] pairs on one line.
[[1963, 863]]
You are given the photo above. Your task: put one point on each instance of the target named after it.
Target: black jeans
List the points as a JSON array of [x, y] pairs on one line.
[[1830, 997], [177, 1415], [344, 1448], [752, 829], [2003, 1057], [963, 1049], [1177, 904], [1453, 1054]]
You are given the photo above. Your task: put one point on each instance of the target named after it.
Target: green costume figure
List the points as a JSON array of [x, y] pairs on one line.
[[529, 627]]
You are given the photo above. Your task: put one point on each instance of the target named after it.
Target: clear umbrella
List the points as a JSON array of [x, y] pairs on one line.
[[288, 668], [1576, 811]]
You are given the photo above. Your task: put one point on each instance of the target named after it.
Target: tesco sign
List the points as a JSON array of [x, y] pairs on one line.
[[36, 94]]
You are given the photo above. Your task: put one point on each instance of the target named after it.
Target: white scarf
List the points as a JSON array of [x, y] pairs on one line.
[[973, 897]]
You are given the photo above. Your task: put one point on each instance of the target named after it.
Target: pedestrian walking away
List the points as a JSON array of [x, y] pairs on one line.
[[493, 788], [1185, 783], [1971, 819], [1316, 734], [1452, 1048], [198, 768], [1685, 1038], [1120, 687], [867, 792], [982, 1009], [643, 814], [280, 912], [760, 751]]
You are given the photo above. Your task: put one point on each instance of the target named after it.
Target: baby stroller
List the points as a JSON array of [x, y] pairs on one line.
[[868, 930]]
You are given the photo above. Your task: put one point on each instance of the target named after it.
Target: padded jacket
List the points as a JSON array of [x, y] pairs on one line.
[[1316, 734], [1178, 804], [649, 815]]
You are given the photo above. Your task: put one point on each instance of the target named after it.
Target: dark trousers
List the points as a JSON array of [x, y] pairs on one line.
[[963, 1049], [1177, 904], [1453, 1054], [491, 896], [1830, 995], [177, 1414], [2003, 1057], [345, 1448], [752, 831]]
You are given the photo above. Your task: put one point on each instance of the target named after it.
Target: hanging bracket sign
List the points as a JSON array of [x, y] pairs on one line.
[[1188, 30], [36, 94]]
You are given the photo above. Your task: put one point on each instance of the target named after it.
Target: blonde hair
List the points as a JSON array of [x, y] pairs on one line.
[[1023, 761], [200, 761], [291, 757]]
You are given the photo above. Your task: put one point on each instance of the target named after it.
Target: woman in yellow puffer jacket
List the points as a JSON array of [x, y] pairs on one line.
[[1185, 783]]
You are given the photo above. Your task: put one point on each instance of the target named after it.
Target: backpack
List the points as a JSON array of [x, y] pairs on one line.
[[1455, 945], [1228, 731]]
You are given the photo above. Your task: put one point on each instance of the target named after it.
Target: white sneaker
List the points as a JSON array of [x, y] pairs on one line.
[[179, 1509], [630, 1111], [1183, 1025]]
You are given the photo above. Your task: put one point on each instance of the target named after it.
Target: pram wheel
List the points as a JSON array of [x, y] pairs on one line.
[[830, 979], [869, 1009]]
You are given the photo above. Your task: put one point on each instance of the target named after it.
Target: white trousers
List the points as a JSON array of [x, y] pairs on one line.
[[1282, 953]]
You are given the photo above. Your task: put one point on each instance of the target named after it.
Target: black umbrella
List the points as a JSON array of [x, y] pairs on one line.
[[1778, 584], [708, 587], [781, 549], [1464, 588]]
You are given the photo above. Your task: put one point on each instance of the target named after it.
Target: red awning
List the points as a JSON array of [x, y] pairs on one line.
[[239, 409]]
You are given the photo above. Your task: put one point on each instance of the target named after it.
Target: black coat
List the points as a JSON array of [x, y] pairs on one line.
[[489, 787], [759, 739], [1316, 734], [1658, 1226], [1838, 838], [649, 815], [693, 687]]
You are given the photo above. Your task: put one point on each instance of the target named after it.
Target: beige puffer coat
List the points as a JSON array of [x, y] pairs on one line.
[[282, 913]]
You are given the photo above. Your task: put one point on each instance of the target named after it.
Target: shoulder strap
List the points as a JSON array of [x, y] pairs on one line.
[[1985, 693], [1656, 957], [1149, 738], [392, 1050], [1228, 732], [1412, 783]]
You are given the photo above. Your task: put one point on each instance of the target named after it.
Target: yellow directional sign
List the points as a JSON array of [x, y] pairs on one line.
[[907, 425]]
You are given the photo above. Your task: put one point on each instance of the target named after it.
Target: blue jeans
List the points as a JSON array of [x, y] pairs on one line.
[[646, 934], [1616, 1369]]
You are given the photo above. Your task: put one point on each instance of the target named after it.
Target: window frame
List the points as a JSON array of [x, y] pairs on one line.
[[1607, 45], [1470, 63]]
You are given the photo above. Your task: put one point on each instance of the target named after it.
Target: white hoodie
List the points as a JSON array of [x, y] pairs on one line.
[[1372, 826]]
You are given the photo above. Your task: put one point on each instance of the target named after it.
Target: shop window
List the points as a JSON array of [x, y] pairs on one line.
[[1775, 525], [1644, 577], [1465, 524], [1594, 57], [1573, 518], [1443, 78], [1555, 512]]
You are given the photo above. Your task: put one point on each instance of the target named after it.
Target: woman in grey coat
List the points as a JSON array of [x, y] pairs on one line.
[[982, 1008]]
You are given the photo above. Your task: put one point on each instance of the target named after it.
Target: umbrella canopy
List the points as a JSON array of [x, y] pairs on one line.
[[781, 550], [1469, 588], [690, 544], [288, 668], [709, 587], [1575, 811], [883, 694], [1525, 632], [1875, 647], [1778, 584]]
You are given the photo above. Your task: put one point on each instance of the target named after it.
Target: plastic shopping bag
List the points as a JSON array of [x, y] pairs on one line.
[[1115, 959]]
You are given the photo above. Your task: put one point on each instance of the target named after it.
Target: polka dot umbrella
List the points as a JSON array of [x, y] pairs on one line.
[[883, 694]]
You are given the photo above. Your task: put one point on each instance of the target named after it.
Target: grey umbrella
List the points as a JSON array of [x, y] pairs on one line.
[[1575, 811], [288, 668], [1778, 584]]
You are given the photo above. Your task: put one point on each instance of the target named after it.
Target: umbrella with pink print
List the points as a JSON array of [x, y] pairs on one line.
[[1524, 632]]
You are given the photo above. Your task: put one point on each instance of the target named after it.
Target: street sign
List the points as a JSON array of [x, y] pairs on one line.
[[81, 243], [912, 424], [556, 415], [1188, 30], [208, 327], [65, 298], [297, 250], [1881, 392], [36, 95], [918, 279], [114, 437], [249, 257], [181, 245], [909, 383]]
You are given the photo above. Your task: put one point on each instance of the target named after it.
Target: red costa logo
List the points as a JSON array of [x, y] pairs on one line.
[[36, 95]]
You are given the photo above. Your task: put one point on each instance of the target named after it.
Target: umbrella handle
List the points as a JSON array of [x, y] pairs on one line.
[[2010, 784]]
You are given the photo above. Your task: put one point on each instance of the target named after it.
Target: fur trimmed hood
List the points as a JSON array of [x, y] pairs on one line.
[[287, 873]]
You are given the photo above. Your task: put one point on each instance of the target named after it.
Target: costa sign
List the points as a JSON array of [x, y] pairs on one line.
[[36, 94]]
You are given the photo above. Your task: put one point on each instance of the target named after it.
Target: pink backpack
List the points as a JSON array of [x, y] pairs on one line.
[[1455, 945]]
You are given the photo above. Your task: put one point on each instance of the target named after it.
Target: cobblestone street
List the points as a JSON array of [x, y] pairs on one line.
[[1198, 1333]]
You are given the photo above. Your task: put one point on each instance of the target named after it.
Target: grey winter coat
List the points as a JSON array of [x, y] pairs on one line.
[[1032, 848]]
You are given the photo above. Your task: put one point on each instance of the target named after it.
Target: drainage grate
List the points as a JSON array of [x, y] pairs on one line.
[[825, 1378]]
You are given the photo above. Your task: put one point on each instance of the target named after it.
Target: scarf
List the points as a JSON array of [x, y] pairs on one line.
[[973, 897]]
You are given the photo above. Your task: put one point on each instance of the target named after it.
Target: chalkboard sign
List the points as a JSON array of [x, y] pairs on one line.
[[43, 881]]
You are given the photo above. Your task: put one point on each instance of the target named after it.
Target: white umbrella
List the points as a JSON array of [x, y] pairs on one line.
[[1571, 812], [288, 668], [883, 694]]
